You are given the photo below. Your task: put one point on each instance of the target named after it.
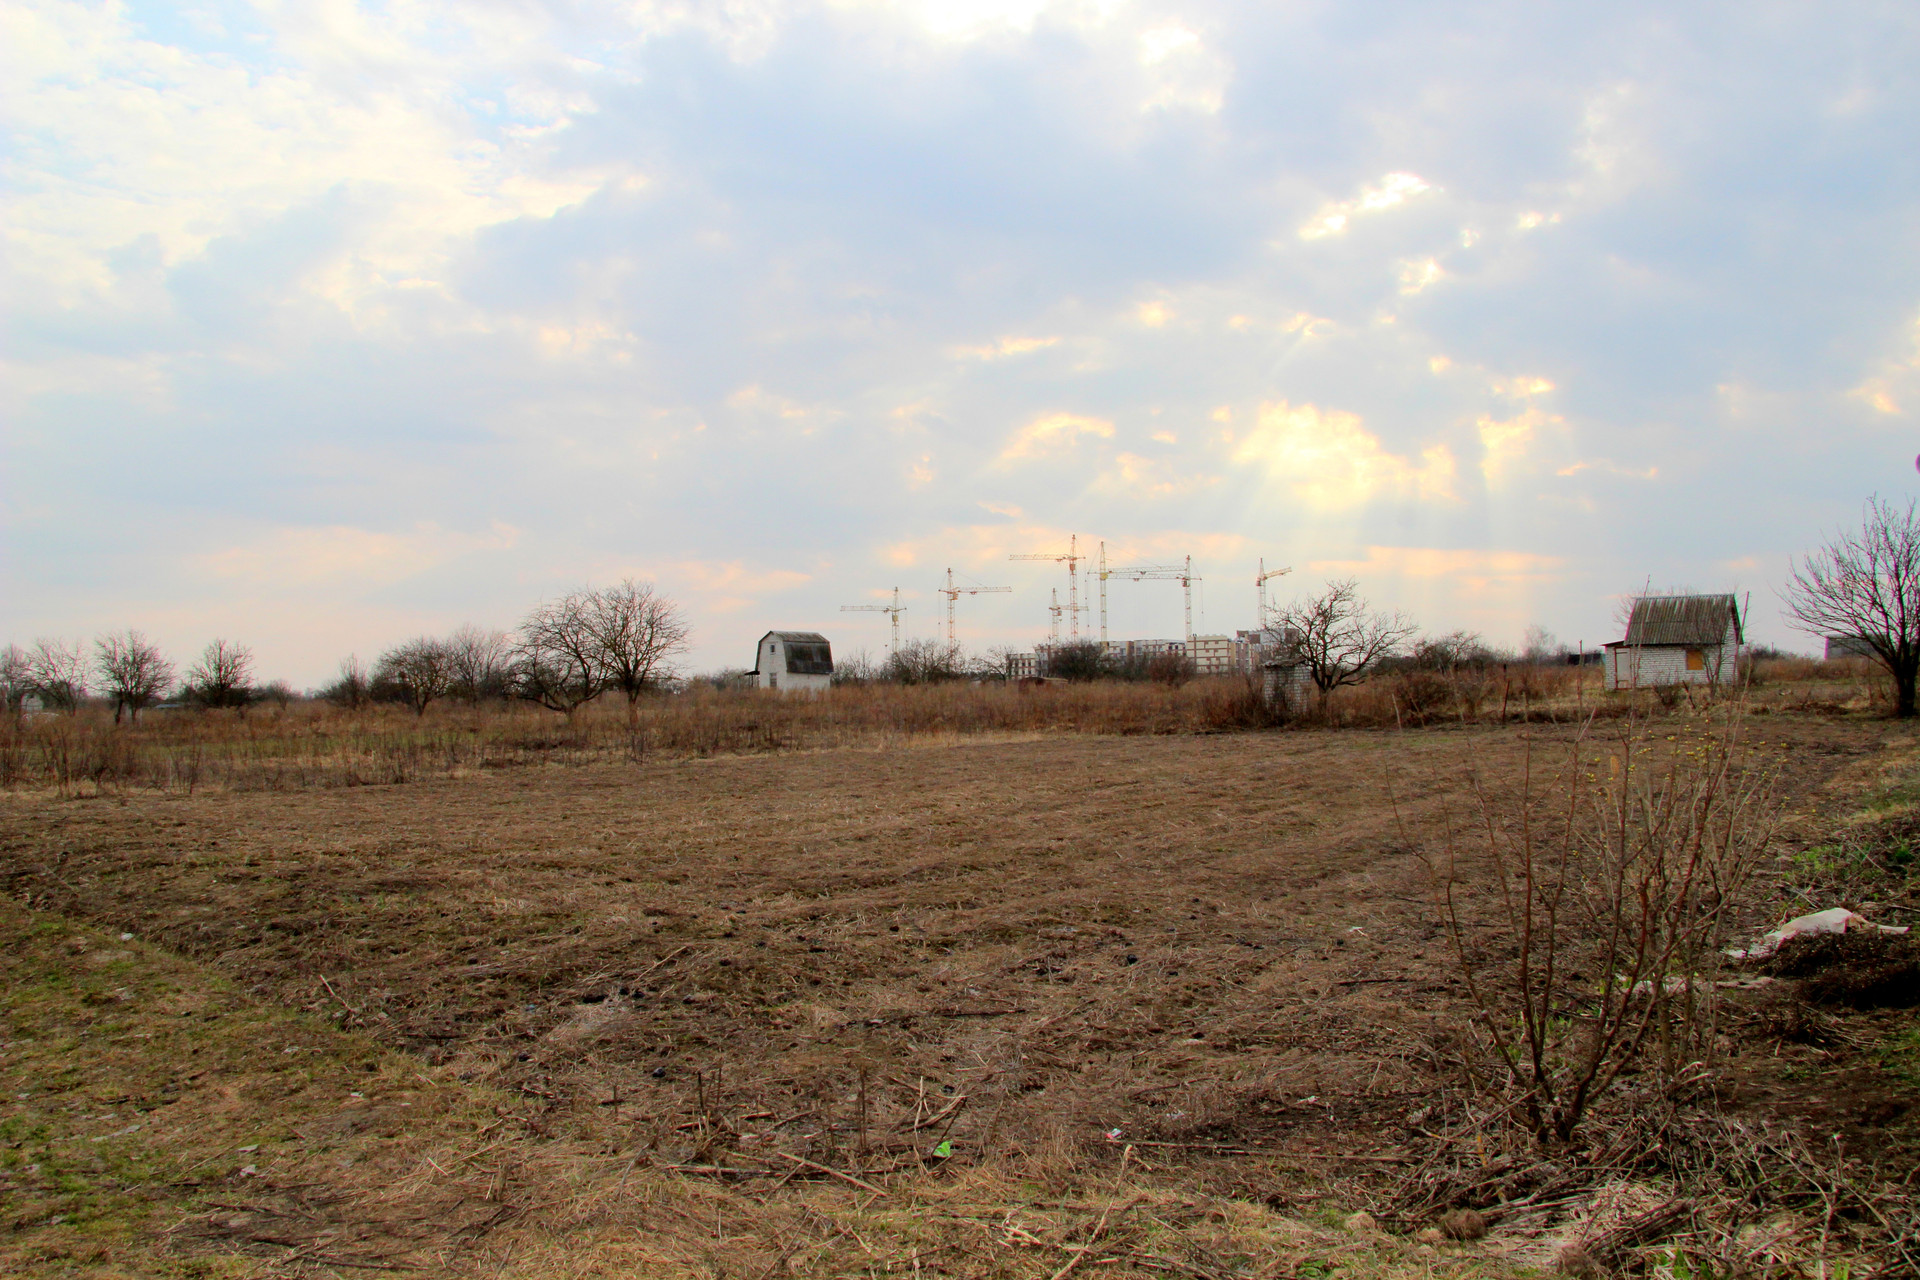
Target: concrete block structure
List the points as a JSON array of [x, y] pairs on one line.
[[1211, 655], [1676, 640]]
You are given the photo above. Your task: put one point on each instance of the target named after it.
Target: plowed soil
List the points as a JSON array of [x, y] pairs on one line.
[[1217, 942]]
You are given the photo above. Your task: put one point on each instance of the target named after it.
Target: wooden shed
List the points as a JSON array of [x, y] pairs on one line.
[[1677, 640], [793, 661]]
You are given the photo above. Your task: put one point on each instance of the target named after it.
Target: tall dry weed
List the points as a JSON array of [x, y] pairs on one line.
[[1586, 912]]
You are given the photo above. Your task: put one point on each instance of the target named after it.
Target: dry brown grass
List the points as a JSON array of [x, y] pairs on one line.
[[289, 747], [312, 744], [1012, 941]]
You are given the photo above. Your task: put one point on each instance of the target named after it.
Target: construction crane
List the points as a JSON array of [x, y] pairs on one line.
[[1053, 628], [1181, 573], [1260, 582], [953, 593], [1073, 558], [893, 610]]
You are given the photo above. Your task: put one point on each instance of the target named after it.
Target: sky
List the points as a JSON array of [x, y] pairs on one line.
[[331, 324]]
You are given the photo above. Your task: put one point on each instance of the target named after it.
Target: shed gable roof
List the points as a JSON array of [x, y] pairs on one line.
[[1683, 620], [807, 653]]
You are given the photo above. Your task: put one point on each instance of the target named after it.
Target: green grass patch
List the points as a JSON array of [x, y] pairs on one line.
[[139, 1093]]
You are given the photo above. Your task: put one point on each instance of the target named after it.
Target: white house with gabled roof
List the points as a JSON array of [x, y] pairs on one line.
[[793, 661]]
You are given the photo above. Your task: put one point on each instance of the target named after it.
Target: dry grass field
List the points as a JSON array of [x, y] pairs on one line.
[[1003, 1003]]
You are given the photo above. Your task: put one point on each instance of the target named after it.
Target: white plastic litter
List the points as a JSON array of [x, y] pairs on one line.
[[1832, 920]]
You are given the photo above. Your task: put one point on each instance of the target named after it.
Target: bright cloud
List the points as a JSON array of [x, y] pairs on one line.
[[1001, 348], [1896, 384], [1417, 276], [1330, 461], [1053, 432], [1391, 192]]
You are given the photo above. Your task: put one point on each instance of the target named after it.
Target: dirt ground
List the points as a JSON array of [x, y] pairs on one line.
[[1218, 949]]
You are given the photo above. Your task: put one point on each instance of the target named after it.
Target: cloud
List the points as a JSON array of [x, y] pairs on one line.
[[794, 287], [1467, 568], [730, 586], [296, 557], [1150, 478], [1053, 432], [1507, 445], [1890, 390], [1390, 192], [1153, 314], [1415, 277], [1001, 348], [1330, 461]]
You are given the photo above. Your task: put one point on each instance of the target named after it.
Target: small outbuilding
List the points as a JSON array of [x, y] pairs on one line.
[[1677, 640], [1287, 682], [1839, 647], [793, 661]]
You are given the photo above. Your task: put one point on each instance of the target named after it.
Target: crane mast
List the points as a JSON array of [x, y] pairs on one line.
[[893, 611], [1072, 558], [1260, 582], [952, 593], [1181, 573]]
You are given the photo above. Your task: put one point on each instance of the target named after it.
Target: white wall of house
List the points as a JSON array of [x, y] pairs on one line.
[[771, 671], [1648, 666]]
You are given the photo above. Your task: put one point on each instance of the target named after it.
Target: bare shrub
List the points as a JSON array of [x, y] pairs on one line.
[[134, 671], [1079, 661], [925, 662], [16, 680], [1170, 668], [353, 687], [1605, 887], [481, 663]]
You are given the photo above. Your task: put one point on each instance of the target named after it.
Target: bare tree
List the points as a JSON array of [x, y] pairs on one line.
[[557, 661], [16, 679], [223, 677], [57, 672], [637, 632], [481, 661], [134, 671], [416, 672], [1337, 637], [1866, 586]]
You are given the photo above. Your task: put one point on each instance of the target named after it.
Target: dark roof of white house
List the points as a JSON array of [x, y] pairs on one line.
[[807, 652], [1681, 620]]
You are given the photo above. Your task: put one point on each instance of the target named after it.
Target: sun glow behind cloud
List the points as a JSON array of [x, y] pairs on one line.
[[1391, 192], [1330, 461]]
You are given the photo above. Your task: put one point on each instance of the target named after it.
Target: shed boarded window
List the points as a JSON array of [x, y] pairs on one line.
[[1696, 660]]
